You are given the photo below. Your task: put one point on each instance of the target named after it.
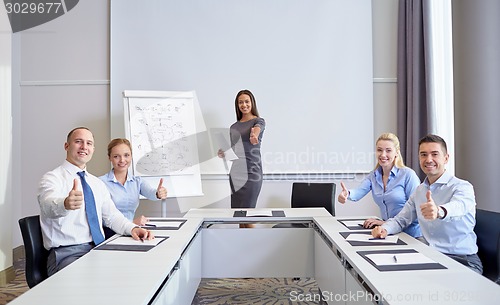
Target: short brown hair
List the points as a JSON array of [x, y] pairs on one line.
[[74, 129], [432, 138]]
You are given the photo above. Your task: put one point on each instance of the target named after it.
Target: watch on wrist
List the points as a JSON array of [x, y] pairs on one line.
[[441, 213]]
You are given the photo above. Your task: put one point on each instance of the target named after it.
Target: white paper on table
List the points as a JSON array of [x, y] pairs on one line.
[[159, 233], [368, 238], [129, 241], [259, 213], [401, 259], [353, 223], [164, 224]]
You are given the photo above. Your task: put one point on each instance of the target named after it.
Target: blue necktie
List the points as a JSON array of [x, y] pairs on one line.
[[90, 210]]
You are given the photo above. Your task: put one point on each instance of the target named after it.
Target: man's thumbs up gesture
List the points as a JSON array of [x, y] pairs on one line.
[[74, 200], [429, 209]]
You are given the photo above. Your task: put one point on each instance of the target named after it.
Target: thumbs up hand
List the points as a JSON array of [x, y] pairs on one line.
[[253, 136], [74, 200], [161, 192], [429, 209], [343, 194]]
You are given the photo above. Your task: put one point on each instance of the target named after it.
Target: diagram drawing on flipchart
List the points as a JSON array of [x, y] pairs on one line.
[[161, 136], [162, 129]]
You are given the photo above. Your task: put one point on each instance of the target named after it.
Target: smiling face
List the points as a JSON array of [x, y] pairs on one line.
[[245, 104], [432, 160], [79, 147], [386, 153], [120, 157]]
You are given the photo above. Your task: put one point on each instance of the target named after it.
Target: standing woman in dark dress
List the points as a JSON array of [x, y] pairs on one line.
[[245, 177]]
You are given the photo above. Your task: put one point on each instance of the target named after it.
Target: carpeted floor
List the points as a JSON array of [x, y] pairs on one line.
[[258, 291], [15, 288], [255, 291]]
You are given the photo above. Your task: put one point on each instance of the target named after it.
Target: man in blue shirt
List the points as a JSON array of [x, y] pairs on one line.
[[444, 206]]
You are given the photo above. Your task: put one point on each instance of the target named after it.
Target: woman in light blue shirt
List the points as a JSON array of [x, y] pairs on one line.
[[124, 188], [391, 184]]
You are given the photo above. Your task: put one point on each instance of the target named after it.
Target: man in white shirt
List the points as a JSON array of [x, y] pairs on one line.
[[65, 228]]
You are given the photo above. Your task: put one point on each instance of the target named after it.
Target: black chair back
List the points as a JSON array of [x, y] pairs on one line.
[[487, 230], [314, 195], [311, 195], [36, 254]]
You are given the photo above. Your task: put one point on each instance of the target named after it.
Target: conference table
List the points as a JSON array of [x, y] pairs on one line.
[[208, 243]]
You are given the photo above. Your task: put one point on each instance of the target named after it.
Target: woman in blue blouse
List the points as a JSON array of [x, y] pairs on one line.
[[391, 183], [124, 188]]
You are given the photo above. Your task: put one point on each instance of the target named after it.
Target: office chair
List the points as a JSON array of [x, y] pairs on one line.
[[36, 254], [487, 230], [311, 195]]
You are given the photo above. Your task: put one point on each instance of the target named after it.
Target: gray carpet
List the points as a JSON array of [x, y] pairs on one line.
[[258, 291]]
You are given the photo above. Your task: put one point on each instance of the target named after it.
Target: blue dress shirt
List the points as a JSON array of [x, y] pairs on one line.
[[126, 197], [401, 184], [453, 234]]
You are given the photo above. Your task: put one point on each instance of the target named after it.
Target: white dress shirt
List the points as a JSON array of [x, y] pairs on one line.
[[61, 227]]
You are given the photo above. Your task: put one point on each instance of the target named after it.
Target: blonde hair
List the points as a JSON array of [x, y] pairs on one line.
[[116, 142], [394, 139]]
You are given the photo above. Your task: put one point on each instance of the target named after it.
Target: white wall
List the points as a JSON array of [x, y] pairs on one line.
[[277, 193], [6, 221], [61, 81], [312, 58], [62, 69], [385, 17]]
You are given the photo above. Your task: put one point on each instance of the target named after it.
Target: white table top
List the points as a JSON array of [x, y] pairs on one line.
[[113, 277], [121, 277], [455, 285]]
